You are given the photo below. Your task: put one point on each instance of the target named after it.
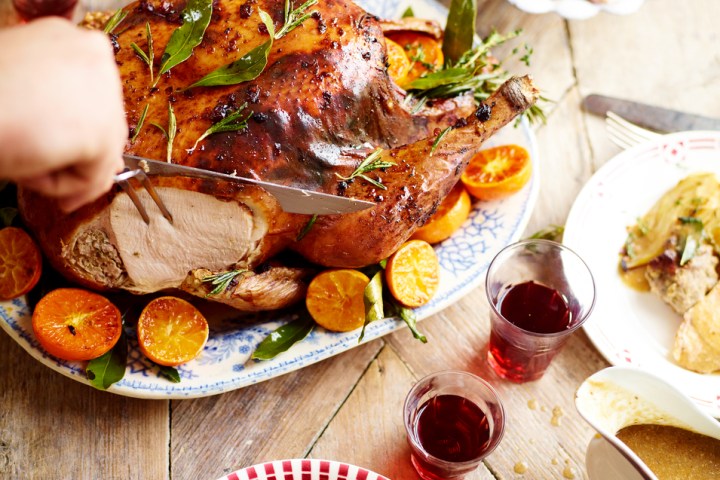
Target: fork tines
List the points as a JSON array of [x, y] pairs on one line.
[[625, 134], [122, 180]]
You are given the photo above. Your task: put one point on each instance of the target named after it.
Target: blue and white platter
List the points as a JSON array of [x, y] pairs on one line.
[[225, 363]]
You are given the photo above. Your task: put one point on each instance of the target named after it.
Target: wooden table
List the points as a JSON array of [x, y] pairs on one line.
[[348, 408]]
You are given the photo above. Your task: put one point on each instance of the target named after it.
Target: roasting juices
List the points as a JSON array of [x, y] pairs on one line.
[[535, 308]]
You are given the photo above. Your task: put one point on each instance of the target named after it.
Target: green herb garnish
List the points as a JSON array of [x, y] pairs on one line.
[[149, 57], [140, 123], [293, 18], [169, 373], [439, 139], [459, 30], [8, 216], [408, 13], [196, 17], [221, 280], [692, 238], [285, 337], [553, 232], [114, 21], [373, 299], [372, 162], [394, 309], [231, 123], [110, 367], [307, 228], [170, 132]]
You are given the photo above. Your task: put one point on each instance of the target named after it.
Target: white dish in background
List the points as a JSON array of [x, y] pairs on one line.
[[225, 363], [303, 469], [578, 9], [617, 397], [630, 327]]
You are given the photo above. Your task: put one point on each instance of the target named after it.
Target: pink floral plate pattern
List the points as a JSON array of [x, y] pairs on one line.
[[303, 469]]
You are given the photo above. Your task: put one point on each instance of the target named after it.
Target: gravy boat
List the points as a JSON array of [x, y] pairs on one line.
[[617, 397]]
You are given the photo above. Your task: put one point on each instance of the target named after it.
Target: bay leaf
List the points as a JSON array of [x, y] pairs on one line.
[[196, 17], [284, 337]]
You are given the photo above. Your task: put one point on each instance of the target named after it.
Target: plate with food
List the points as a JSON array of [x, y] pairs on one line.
[[647, 225], [230, 289], [304, 469]]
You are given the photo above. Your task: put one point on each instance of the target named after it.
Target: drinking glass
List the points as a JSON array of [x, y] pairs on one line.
[[453, 420], [547, 274]]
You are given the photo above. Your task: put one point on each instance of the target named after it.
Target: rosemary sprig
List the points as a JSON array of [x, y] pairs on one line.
[[170, 132], [372, 162], [149, 57], [140, 123], [439, 139], [115, 20], [307, 228], [230, 123], [221, 281], [293, 18]]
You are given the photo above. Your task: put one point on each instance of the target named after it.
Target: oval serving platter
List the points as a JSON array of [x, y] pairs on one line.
[[225, 363]]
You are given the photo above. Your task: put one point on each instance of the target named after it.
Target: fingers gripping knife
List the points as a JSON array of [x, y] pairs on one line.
[[291, 199]]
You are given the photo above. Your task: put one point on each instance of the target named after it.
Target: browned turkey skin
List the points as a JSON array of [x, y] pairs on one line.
[[322, 104]]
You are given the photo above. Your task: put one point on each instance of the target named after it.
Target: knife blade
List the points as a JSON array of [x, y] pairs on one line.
[[656, 118], [291, 199]]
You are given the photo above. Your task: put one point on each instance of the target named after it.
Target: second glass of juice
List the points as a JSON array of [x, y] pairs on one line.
[[453, 419], [539, 292]]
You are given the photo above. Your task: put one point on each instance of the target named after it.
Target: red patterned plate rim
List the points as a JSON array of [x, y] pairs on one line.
[[303, 469]]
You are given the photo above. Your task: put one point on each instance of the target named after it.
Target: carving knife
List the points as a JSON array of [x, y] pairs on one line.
[[648, 116], [291, 199]]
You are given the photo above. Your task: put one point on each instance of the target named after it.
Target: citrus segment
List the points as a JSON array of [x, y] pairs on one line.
[[398, 63], [171, 331], [450, 215], [74, 324], [20, 263], [413, 273], [335, 299], [423, 52], [497, 172]]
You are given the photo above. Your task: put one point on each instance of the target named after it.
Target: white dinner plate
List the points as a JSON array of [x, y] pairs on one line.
[[303, 469], [630, 327], [225, 362]]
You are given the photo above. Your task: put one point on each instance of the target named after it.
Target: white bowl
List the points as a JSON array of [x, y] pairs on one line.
[[617, 397], [578, 9]]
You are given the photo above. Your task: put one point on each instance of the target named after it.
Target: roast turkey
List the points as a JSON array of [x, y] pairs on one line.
[[323, 103]]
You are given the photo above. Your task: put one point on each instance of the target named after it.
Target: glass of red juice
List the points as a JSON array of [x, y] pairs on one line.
[[32, 9], [453, 420], [539, 292]]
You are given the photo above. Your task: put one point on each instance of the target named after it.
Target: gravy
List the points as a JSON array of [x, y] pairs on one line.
[[674, 453]]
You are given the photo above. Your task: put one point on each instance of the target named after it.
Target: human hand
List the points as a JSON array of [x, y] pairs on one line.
[[62, 121]]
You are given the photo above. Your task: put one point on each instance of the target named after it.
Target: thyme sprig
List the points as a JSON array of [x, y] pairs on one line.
[[231, 123], [293, 18], [170, 132], [149, 57], [221, 281], [371, 162], [140, 123]]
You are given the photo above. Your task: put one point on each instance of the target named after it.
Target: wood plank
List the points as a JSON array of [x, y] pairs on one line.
[[274, 420], [54, 427], [373, 413]]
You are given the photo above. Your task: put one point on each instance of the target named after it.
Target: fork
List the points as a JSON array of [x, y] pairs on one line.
[[626, 134], [123, 178]]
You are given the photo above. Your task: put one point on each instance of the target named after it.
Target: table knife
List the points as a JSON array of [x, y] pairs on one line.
[[648, 116], [291, 199]]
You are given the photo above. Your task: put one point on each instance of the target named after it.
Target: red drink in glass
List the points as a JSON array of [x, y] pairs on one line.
[[539, 293], [453, 420], [31, 9]]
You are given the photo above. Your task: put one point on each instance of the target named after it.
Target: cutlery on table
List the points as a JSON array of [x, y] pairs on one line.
[[649, 116], [291, 199]]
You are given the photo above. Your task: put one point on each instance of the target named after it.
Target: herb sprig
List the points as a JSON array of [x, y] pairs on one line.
[[231, 123], [170, 132], [140, 123], [293, 18], [372, 162], [149, 57], [114, 21], [221, 281]]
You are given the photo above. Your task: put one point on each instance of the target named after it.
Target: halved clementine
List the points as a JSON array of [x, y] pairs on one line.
[[171, 331], [75, 324], [423, 51], [335, 299], [398, 63], [450, 215], [20, 263], [497, 172], [413, 273]]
